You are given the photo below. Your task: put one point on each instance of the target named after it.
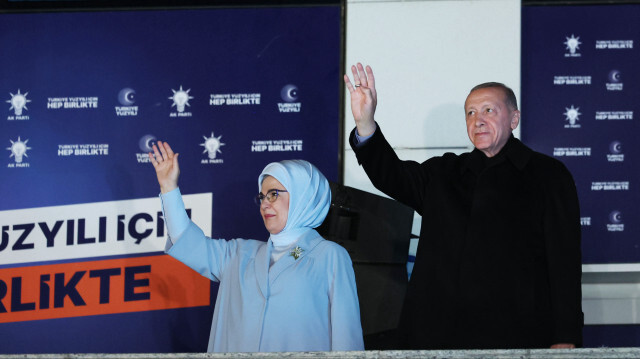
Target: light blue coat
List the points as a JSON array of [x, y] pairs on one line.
[[308, 304]]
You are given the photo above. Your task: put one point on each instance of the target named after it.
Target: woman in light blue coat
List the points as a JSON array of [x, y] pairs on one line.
[[295, 292]]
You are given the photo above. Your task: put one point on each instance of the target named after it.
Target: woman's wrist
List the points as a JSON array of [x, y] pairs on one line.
[[168, 188]]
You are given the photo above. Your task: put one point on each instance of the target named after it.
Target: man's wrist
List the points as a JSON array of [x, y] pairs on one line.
[[365, 130], [361, 139]]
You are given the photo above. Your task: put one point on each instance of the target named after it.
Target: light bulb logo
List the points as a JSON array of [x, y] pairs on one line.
[[573, 43], [18, 102], [180, 98], [212, 145], [18, 149], [572, 115]]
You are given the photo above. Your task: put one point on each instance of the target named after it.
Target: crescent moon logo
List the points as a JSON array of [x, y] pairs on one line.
[[615, 147], [126, 97], [615, 76], [289, 93], [615, 217], [146, 143]]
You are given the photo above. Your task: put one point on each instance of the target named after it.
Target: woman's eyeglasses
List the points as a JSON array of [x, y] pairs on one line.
[[271, 196]]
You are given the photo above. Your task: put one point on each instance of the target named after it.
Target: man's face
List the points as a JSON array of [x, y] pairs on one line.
[[489, 119]]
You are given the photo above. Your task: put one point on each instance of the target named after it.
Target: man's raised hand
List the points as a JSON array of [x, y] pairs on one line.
[[364, 98]]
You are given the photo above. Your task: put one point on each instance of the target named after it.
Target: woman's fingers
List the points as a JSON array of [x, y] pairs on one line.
[[167, 149], [163, 150], [161, 153]]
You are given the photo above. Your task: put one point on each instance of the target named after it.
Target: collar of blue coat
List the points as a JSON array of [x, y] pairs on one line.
[[308, 242], [309, 197]]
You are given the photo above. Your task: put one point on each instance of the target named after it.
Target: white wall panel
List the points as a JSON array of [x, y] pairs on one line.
[[426, 56]]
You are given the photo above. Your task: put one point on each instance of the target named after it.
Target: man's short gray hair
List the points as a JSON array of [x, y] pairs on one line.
[[509, 96]]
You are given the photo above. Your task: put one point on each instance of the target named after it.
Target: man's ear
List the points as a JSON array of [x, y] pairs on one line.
[[515, 119]]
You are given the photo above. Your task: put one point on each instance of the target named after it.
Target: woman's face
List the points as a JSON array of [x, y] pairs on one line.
[[274, 214]]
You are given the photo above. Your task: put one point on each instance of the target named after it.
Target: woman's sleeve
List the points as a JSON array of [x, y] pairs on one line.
[[346, 330], [175, 216], [188, 243]]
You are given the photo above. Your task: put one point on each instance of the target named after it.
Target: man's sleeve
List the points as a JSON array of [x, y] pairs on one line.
[[403, 181], [360, 140], [564, 259]]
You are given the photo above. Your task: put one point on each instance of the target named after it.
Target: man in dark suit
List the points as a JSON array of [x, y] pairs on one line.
[[498, 263]]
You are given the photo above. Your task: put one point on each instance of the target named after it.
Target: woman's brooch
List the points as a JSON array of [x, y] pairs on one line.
[[296, 252]]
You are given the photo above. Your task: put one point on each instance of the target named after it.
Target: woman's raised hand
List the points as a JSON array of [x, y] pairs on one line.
[[166, 164]]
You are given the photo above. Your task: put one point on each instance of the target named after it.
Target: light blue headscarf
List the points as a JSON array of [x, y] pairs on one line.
[[309, 197]]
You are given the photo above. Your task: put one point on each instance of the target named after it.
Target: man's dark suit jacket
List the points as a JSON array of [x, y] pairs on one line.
[[498, 263]]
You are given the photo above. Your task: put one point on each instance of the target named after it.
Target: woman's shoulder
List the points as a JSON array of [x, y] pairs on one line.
[[248, 244], [242, 247], [331, 249]]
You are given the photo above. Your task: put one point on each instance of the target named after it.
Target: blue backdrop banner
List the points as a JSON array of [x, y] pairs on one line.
[[580, 92], [86, 95]]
